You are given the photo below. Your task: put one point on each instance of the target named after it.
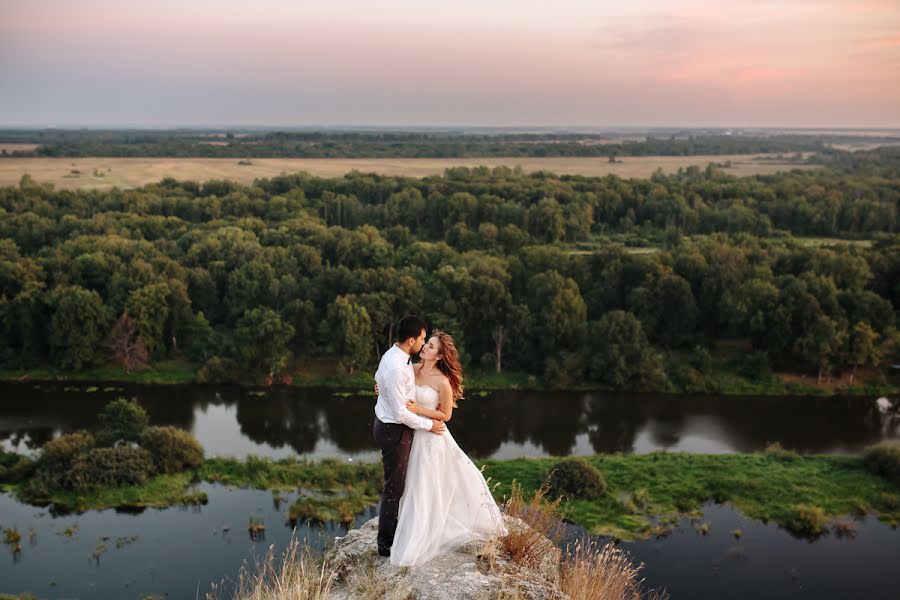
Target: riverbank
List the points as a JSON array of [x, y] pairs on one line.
[[646, 494], [721, 378]]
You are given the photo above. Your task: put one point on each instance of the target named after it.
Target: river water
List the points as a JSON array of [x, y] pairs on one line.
[[180, 552], [278, 422]]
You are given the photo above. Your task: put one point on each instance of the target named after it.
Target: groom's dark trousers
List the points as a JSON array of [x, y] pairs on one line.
[[395, 440]]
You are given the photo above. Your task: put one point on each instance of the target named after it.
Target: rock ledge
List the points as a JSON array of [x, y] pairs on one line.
[[477, 570]]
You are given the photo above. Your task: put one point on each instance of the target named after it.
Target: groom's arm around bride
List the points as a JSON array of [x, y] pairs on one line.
[[394, 422]]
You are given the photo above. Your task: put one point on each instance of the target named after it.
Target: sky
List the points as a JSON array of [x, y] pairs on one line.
[[654, 63]]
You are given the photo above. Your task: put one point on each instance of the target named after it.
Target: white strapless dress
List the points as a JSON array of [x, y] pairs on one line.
[[446, 502]]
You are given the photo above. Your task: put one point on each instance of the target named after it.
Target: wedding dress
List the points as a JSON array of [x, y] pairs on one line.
[[446, 502]]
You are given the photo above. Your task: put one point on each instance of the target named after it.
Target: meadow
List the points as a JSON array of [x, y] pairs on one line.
[[106, 173]]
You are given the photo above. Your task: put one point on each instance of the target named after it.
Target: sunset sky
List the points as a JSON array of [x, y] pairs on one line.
[[789, 63]]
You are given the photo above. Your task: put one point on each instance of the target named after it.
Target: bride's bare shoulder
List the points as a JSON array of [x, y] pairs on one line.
[[417, 367]]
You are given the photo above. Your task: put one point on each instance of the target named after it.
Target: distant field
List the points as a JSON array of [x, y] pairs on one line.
[[10, 148], [104, 173]]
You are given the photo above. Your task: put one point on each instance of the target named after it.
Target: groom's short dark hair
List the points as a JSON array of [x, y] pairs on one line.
[[410, 327]]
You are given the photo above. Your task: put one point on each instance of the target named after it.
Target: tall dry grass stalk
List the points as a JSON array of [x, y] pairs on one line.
[[299, 576], [594, 572], [527, 546], [590, 571]]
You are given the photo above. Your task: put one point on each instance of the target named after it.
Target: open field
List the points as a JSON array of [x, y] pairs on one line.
[[10, 148], [105, 173]]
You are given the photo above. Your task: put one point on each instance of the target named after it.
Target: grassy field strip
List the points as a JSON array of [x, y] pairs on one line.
[[646, 494], [136, 172]]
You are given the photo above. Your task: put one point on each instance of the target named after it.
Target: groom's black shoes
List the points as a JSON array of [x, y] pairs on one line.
[[384, 552]]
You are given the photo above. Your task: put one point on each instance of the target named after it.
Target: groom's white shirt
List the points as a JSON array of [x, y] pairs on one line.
[[396, 384]]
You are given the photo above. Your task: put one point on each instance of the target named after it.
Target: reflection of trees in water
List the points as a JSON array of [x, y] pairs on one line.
[[171, 405], [48, 408], [550, 420], [281, 418], [612, 421], [350, 420], [299, 419]]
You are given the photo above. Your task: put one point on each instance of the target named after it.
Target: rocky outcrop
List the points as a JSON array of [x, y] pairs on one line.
[[477, 570]]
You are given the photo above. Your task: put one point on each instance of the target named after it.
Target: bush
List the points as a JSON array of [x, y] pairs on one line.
[[884, 459], [111, 467], [58, 454], [121, 420], [701, 359], [689, 379], [755, 365], [577, 478], [14, 467], [217, 370], [806, 520], [775, 450], [172, 449], [888, 502]]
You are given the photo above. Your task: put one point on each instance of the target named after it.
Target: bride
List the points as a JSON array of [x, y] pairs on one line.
[[446, 502]]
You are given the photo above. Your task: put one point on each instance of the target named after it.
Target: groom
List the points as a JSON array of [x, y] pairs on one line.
[[394, 422]]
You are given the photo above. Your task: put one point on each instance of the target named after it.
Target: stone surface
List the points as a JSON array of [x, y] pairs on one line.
[[474, 571]]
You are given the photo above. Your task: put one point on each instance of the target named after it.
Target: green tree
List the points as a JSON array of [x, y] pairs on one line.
[[559, 315], [862, 347], [149, 308], [79, 322], [348, 332], [620, 355], [121, 420], [821, 343], [261, 341]]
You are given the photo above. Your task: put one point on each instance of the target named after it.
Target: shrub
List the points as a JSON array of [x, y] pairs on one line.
[[888, 502], [806, 520], [172, 449], [58, 454], [577, 478], [14, 467], [755, 365], [701, 359], [121, 420], [217, 370], [111, 467], [775, 450], [884, 459]]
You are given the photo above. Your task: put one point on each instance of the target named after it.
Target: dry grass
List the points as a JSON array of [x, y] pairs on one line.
[[299, 576], [366, 584], [136, 172], [527, 546], [589, 571], [13, 147], [594, 572]]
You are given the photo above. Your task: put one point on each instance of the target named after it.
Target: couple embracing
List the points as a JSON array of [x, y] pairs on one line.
[[434, 499]]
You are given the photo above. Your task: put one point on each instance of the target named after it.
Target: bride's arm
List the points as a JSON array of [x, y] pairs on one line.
[[445, 405]]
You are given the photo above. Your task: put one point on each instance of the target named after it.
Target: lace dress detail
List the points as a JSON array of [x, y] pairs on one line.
[[446, 502]]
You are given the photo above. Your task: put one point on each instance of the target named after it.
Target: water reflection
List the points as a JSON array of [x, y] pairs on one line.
[[767, 562], [170, 553], [281, 422]]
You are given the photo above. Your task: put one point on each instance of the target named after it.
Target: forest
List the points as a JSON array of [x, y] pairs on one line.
[[628, 284], [386, 144]]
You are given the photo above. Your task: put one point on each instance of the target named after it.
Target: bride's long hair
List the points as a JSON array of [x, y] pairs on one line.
[[449, 363]]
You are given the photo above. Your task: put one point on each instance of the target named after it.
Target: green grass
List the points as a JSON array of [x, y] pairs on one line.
[[328, 475], [166, 372], [358, 483], [723, 378], [645, 492], [658, 488], [158, 492]]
